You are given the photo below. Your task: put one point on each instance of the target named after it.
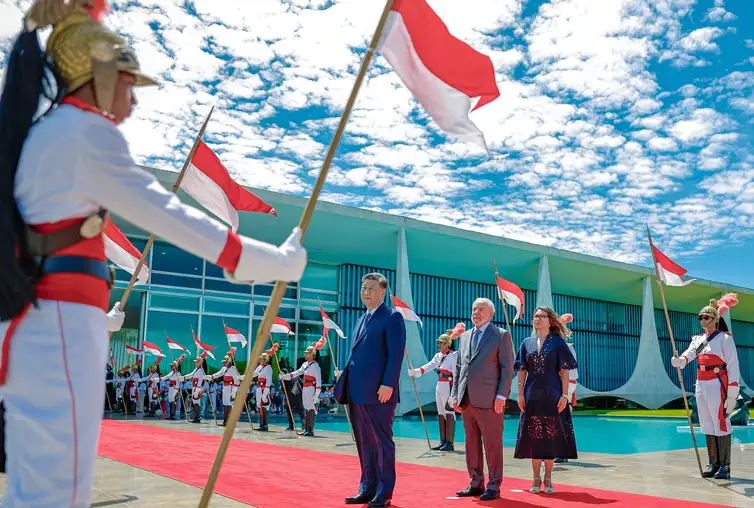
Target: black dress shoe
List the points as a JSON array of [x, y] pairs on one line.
[[723, 473], [379, 502], [711, 470], [489, 495], [359, 499], [470, 491]]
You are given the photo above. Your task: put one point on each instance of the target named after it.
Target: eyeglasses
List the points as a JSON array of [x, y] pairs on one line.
[[704, 318], [539, 316]]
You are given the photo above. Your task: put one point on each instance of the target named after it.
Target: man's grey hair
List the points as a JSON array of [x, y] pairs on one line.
[[381, 279], [484, 301]]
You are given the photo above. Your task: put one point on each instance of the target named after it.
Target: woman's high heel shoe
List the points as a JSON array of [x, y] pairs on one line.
[[535, 486], [548, 486]]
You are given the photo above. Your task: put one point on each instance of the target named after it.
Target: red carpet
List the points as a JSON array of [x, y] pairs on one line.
[[272, 476]]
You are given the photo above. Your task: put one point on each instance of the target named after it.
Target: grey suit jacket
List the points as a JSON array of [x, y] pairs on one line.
[[487, 372]]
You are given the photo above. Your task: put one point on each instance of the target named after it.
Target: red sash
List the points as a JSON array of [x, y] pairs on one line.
[[310, 381]]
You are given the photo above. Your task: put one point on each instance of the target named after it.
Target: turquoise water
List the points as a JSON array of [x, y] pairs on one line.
[[597, 434]]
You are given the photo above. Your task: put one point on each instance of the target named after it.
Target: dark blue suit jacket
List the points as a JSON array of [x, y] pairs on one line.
[[376, 359]]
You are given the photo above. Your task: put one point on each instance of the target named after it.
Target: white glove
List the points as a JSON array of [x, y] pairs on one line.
[[115, 318], [264, 263], [411, 372], [571, 391], [678, 362], [337, 372], [286, 377], [730, 402]]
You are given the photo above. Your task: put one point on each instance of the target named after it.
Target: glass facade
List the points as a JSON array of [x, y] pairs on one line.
[[186, 294]]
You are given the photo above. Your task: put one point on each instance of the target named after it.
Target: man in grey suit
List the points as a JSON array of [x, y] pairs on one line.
[[483, 378]]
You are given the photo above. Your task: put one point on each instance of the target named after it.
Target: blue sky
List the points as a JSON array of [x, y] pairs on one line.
[[613, 114]]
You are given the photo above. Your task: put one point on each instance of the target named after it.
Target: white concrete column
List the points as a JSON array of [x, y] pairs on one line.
[[741, 382], [649, 384], [544, 288], [426, 384]]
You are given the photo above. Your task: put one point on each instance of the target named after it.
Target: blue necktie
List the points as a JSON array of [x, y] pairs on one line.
[[475, 339], [364, 323]]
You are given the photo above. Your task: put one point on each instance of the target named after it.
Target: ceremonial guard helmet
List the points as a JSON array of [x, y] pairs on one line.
[[716, 308], [316, 347]]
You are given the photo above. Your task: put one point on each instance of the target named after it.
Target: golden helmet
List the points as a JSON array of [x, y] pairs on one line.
[[82, 49]]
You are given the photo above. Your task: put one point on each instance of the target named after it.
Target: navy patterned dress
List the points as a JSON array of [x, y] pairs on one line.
[[543, 433]]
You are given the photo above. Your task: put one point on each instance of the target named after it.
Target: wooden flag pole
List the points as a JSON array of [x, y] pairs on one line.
[[279, 291], [285, 392], [176, 185], [675, 351]]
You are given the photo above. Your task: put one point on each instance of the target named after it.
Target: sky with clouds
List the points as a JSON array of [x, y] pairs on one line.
[[612, 114]]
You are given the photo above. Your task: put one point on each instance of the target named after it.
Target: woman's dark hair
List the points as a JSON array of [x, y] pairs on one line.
[[28, 78], [722, 325]]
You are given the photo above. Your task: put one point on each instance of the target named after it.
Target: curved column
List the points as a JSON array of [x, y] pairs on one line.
[[544, 288], [425, 385]]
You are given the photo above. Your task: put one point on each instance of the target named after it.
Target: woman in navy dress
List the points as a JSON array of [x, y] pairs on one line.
[[545, 429]]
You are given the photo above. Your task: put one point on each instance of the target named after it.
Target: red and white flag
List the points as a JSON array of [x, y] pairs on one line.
[[509, 292], [174, 345], [443, 73], [152, 349], [122, 252], [200, 345], [668, 271], [133, 350], [234, 336], [406, 311], [329, 324], [209, 183], [281, 326], [112, 357]]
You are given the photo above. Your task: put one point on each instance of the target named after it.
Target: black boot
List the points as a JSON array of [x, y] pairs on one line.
[[226, 414], [171, 410], [450, 432], [263, 418], [723, 455], [291, 421], [196, 414], [714, 463], [441, 422], [309, 425]]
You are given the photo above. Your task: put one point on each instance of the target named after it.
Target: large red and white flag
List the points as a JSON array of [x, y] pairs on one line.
[[329, 324], [443, 73], [209, 183], [668, 271], [281, 326], [509, 292], [121, 251], [406, 311], [202, 346], [234, 336], [152, 349], [174, 345]]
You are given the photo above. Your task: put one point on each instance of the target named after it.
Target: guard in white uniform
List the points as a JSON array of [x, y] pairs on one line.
[[173, 379], [573, 374], [229, 374], [197, 384], [153, 388], [445, 362], [312, 383], [716, 383], [59, 177], [263, 373]]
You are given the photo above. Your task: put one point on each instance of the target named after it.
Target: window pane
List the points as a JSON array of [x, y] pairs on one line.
[[310, 315], [287, 313], [315, 296], [168, 258], [224, 285], [226, 307], [320, 277], [129, 333], [213, 334], [266, 290], [178, 328], [175, 281], [212, 270], [174, 302], [307, 334]]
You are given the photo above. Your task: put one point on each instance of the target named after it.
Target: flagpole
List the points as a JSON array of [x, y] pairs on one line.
[[505, 312], [277, 294], [675, 351], [248, 413], [176, 185], [416, 392], [335, 367]]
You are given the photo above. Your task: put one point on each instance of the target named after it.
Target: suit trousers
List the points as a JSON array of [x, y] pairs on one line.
[[373, 430], [483, 427]]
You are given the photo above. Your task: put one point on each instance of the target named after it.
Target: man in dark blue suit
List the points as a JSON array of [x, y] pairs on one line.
[[369, 384]]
